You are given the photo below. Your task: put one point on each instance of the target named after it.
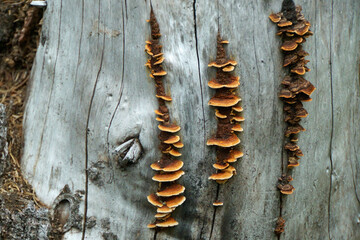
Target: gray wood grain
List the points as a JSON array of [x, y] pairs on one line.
[[90, 93]]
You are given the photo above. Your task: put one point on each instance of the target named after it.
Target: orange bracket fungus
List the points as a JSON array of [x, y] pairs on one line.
[[168, 168], [280, 226], [227, 112], [293, 28]]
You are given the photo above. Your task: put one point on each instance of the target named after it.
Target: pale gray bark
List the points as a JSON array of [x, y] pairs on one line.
[[90, 93]]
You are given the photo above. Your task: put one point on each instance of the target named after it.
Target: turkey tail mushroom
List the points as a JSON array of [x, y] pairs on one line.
[[227, 112], [293, 28], [168, 196]]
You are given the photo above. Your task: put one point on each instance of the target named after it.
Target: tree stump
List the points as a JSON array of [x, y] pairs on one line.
[[90, 124]]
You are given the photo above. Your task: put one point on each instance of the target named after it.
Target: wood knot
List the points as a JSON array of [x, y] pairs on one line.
[[128, 152]]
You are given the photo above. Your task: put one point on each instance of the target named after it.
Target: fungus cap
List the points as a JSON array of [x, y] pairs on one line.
[[275, 17], [286, 93], [220, 166], [238, 118], [224, 102], [159, 119], [178, 144], [291, 147], [289, 45], [234, 155], [219, 115], [168, 177], [299, 70], [287, 189], [228, 68], [171, 128], [223, 175], [237, 108], [218, 203], [161, 73], [220, 65], [147, 48], [173, 166], [284, 23], [174, 153], [176, 201], [172, 139], [164, 209], [159, 61], [151, 225], [165, 98], [173, 190], [233, 83], [237, 128], [162, 216], [169, 222], [154, 200], [231, 141]]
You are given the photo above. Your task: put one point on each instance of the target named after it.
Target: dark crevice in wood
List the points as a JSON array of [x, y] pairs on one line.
[[202, 97], [354, 175], [51, 90], [199, 70], [81, 34], [126, 14], [214, 215], [332, 115], [121, 84], [86, 135], [155, 234], [354, 124]]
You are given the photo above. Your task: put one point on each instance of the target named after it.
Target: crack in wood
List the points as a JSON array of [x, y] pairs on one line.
[[214, 214], [122, 80], [202, 95], [80, 41], [199, 70], [354, 175], [86, 136], [332, 115]]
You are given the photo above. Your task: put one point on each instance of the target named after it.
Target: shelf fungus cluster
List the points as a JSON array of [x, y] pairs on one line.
[[227, 112], [293, 29], [168, 168]]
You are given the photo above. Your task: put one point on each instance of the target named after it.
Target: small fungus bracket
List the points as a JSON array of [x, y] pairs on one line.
[[65, 212], [128, 152]]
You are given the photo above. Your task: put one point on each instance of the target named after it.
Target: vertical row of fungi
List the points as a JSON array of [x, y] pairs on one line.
[[227, 112], [293, 29], [168, 168]]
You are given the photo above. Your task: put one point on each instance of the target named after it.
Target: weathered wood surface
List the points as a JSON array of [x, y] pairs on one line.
[[90, 92]]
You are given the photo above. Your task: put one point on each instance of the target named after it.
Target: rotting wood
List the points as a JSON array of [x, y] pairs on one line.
[[123, 106]]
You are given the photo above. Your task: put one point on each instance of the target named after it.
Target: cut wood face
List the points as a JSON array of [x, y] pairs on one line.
[[91, 94]]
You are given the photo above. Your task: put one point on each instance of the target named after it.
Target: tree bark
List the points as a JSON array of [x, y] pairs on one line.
[[90, 94]]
